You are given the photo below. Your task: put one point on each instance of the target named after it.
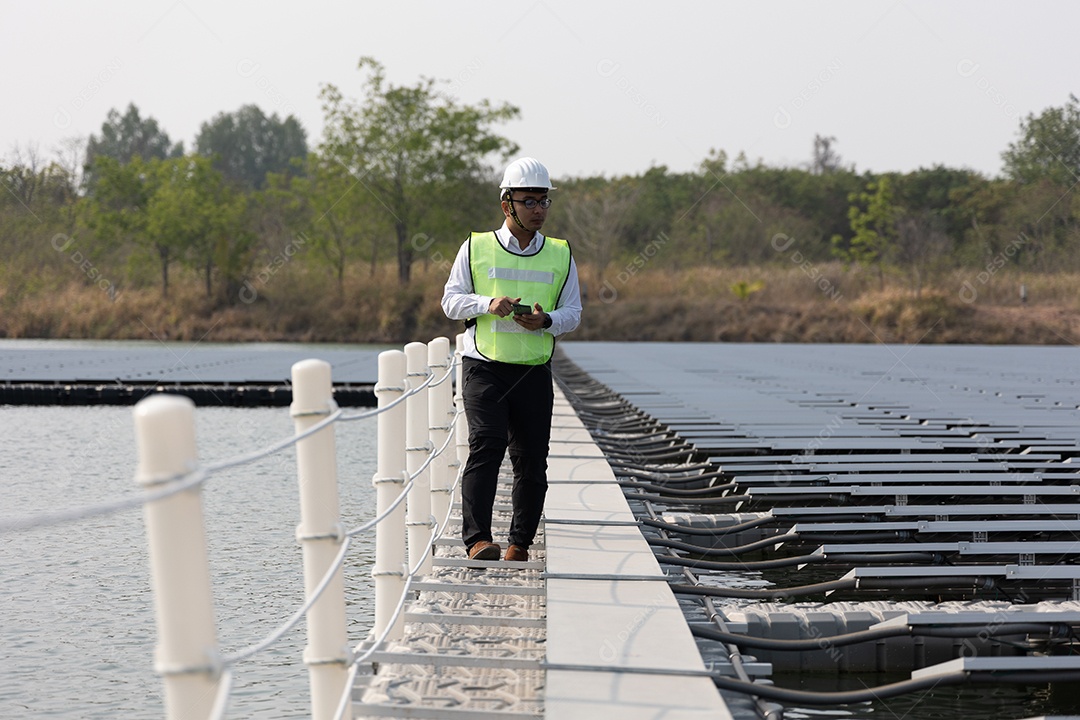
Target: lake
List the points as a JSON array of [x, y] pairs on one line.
[[75, 600]]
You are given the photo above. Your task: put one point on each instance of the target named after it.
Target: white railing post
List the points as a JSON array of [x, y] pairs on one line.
[[320, 534], [187, 651], [461, 429], [440, 415], [417, 447], [389, 569]]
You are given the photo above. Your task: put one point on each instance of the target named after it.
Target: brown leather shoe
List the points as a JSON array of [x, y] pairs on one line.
[[484, 550], [516, 553]]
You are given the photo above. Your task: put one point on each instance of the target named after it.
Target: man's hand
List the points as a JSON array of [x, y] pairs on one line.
[[534, 320], [502, 306]]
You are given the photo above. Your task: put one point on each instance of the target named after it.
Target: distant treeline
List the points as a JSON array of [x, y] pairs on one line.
[[404, 172]]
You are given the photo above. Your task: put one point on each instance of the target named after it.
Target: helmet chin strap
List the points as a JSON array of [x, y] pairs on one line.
[[513, 213]]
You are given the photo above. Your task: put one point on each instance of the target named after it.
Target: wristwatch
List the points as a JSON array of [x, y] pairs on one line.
[[547, 321]]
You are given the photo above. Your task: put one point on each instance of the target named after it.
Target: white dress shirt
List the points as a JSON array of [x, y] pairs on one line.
[[460, 302]]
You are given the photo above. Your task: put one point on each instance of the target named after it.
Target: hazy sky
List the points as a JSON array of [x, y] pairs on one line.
[[603, 88]]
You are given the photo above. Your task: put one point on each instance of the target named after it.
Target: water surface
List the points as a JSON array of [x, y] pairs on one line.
[[76, 610]]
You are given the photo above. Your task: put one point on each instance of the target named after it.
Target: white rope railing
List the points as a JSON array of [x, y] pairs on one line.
[[289, 624], [377, 643], [180, 483], [339, 561], [198, 682], [221, 699]]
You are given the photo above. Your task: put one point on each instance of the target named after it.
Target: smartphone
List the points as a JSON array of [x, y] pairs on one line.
[[520, 309]]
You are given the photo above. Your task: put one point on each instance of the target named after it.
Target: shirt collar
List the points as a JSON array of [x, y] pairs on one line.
[[505, 238]]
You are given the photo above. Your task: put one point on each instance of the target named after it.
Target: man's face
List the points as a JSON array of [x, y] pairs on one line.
[[532, 219]]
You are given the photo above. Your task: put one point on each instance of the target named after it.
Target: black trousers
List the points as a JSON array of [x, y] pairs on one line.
[[507, 405]]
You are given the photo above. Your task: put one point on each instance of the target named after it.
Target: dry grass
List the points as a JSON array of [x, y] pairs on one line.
[[795, 303]]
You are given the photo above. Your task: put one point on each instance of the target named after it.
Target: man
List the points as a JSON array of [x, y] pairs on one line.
[[516, 290]]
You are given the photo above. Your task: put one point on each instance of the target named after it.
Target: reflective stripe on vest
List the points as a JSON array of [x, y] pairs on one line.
[[535, 278]]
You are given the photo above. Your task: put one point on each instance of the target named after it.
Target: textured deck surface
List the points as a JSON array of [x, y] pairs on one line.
[[566, 635]]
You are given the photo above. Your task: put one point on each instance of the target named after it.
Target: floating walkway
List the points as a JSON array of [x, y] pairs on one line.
[[587, 628]]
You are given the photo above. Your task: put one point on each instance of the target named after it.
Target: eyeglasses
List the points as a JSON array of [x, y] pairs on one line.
[[530, 203]]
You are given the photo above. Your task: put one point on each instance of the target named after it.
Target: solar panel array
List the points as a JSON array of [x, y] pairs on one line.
[[177, 362], [969, 452]]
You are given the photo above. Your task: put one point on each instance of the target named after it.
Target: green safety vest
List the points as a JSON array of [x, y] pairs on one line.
[[535, 278]]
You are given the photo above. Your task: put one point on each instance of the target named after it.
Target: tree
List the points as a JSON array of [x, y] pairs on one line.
[[246, 145], [195, 216], [979, 211], [1048, 147], [31, 179], [411, 147], [933, 190], [921, 241], [1041, 228], [598, 212], [826, 159], [116, 210], [659, 196], [126, 137], [336, 228], [38, 211], [873, 217]]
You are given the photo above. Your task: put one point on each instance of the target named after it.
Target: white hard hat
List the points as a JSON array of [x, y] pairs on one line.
[[526, 173]]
